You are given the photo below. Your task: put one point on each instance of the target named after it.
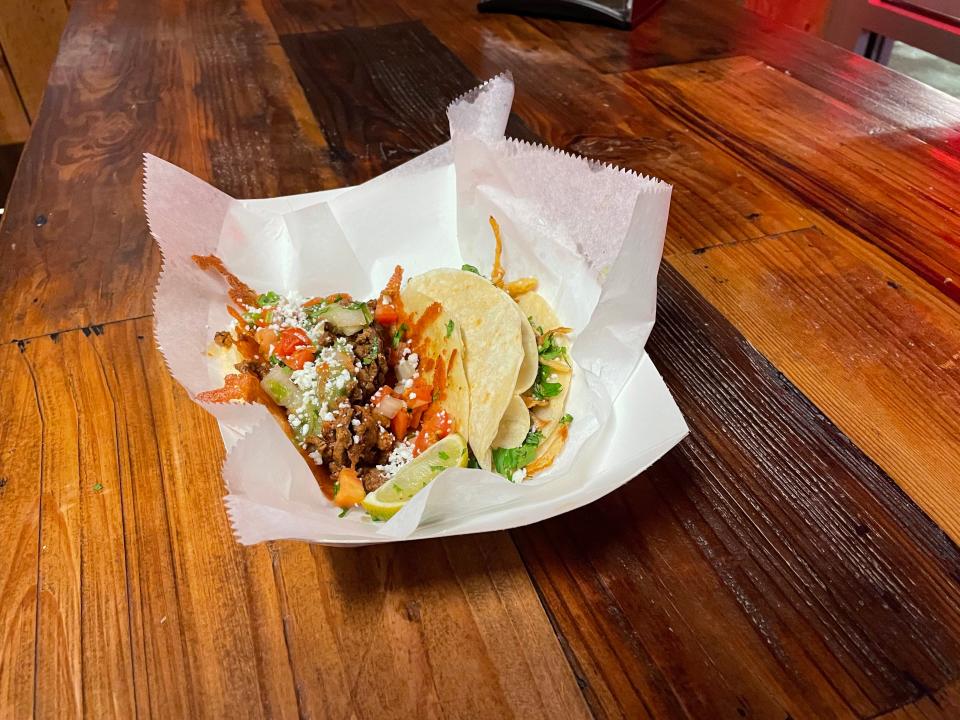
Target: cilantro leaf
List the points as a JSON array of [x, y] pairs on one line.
[[506, 461], [268, 298], [470, 268], [443, 455], [336, 488], [550, 349], [398, 334], [449, 328], [543, 388], [566, 419], [438, 468], [343, 513], [97, 487]]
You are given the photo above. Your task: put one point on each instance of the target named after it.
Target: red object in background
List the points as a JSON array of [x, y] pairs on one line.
[[624, 14]]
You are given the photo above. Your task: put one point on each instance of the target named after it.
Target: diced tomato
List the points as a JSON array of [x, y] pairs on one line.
[[420, 394], [400, 424], [415, 417], [349, 488], [291, 340], [437, 425], [300, 357], [386, 315]]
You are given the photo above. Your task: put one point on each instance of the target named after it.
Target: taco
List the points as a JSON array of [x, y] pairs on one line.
[[517, 365], [381, 396], [371, 392]]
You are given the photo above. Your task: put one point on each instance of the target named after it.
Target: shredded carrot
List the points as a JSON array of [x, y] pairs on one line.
[[238, 386], [426, 319], [235, 314], [392, 291], [549, 453], [521, 286], [240, 292], [497, 273]]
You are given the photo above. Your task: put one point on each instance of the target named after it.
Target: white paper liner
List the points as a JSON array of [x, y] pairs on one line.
[[591, 233]]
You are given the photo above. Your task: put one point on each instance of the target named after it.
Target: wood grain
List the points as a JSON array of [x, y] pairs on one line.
[[863, 339], [29, 35], [217, 97], [684, 31], [148, 605], [806, 15], [716, 199], [14, 125], [760, 625], [20, 458], [830, 574], [891, 190]]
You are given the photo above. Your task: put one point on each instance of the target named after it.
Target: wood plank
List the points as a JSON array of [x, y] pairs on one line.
[[941, 705], [716, 199], [29, 35], [20, 472], [296, 16], [889, 189], [373, 120], [875, 349], [807, 15], [14, 125], [763, 567], [684, 31], [210, 92], [148, 602], [757, 624]]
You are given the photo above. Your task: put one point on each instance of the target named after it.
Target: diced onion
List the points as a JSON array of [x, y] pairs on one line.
[[389, 406]]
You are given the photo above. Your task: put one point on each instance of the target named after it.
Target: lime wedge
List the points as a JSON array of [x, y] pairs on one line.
[[384, 502]]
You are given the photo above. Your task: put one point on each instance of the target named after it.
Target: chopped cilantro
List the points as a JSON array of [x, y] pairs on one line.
[[566, 419], [507, 461], [374, 351], [449, 328], [314, 312], [268, 298], [251, 318], [542, 388], [534, 325], [336, 488], [470, 268], [438, 468], [343, 513], [274, 360], [367, 315], [443, 455], [97, 487], [399, 333], [550, 349]]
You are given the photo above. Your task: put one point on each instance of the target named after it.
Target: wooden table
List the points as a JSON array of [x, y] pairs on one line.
[[794, 557]]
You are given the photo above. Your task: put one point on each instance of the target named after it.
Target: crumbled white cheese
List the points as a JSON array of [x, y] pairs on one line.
[[356, 439], [401, 454], [355, 422]]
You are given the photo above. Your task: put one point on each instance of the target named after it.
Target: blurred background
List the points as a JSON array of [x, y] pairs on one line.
[[920, 38]]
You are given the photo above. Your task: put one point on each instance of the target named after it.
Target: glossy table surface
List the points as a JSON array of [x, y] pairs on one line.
[[795, 556]]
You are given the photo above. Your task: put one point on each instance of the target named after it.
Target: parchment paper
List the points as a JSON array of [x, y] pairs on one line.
[[592, 234]]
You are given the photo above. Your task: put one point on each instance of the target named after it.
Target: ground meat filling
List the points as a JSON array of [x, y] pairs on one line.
[[355, 438], [370, 348]]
